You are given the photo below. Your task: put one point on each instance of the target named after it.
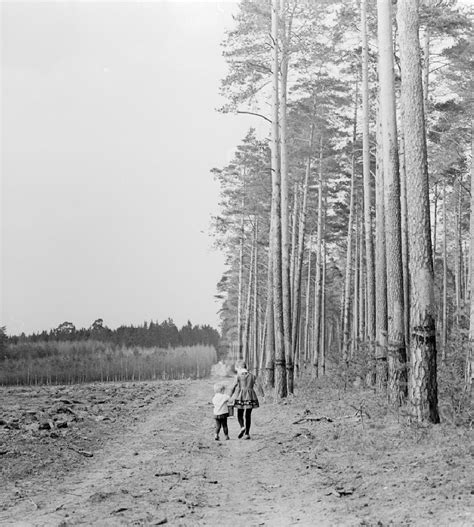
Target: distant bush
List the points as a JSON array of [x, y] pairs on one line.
[[62, 362]]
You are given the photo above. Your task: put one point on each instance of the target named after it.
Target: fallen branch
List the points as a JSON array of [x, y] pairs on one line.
[[310, 418], [82, 452], [163, 474]]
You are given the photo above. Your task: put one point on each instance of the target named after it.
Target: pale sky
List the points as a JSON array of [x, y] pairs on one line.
[[108, 135]]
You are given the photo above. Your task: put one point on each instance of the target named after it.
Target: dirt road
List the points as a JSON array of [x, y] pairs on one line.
[[168, 469]]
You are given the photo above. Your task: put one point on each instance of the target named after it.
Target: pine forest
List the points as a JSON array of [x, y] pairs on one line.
[[345, 216]]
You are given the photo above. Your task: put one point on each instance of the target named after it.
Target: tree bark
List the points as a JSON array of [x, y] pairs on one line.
[[444, 329], [381, 323], [255, 301], [240, 289], [317, 284], [423, 375], [294, 251], [285, 262], [355, 292], [322, 346], [307, 344], [347, 282], [300, 251], [369, 244], [280, 364], [405, 250], [396, 341], [470, 347]]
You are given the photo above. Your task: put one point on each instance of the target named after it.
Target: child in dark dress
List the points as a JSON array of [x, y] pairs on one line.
[[245, 399], [221, 410]]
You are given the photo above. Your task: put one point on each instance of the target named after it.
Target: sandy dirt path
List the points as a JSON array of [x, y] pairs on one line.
[[168, 469]]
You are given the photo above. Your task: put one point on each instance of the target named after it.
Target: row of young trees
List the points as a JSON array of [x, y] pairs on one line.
[[330, 225], [151, 334]]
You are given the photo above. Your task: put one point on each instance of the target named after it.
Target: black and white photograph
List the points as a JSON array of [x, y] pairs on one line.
[[237, 263]]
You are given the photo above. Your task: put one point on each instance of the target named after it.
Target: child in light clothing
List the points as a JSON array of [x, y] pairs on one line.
[[221, 411]]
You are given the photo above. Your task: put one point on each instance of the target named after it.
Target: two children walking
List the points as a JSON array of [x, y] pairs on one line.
[[244, 401]]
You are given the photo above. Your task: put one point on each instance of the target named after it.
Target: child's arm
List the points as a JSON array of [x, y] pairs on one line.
[[232, 390]]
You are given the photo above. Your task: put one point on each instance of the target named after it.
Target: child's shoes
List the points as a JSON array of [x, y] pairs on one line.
[[247, 436], [241, 433], [227, 438], [216, 438]]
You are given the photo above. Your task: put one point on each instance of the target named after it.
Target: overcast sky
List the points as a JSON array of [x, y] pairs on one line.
[[109, 131]]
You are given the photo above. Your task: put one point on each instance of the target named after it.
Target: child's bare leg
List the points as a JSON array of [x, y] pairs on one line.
[[224, 427], [218, 428]]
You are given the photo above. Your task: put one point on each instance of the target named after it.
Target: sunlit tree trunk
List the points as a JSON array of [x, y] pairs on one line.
[[405, 250], [444, 328], [355, 293], [458, 259], [255, 301], [285, 31], [426, 68], [380, 269], [300, 251], [248, 305], [322, 346], [307, 344], [362, 285], [396, 331], [317, 283], [369, 244], [240, 289], [423, 374], [294, 251], [347, 282], [269, 350], [280, 363], [435, 219], [470, 347]]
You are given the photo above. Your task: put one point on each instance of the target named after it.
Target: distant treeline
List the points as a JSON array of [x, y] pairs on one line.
[[150, 335], [65, 362]]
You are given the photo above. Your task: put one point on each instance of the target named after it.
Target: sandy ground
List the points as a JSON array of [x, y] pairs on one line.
[[156, 462]]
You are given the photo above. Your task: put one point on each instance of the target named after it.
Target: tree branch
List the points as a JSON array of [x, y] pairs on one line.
[[256, 114]]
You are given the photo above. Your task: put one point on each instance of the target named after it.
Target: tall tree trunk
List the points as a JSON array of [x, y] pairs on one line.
[[317, 284], [380, 269], [280, 364], [347, 282], [248, 309], [300, 251], [285, 269], [444, 331], [423, 375], [294, 251], [322, 346], [426, 68], [255, 300], [405, 250], [307, 344], [369, 245], [240, 290], [396, 331], [355, 293], [458, 259], [362, 284], [435, 219], [470, 347]]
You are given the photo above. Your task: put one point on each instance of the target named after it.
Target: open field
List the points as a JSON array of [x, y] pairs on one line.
[[144, 454]]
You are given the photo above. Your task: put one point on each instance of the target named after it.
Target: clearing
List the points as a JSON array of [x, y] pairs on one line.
[[145, 454]]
